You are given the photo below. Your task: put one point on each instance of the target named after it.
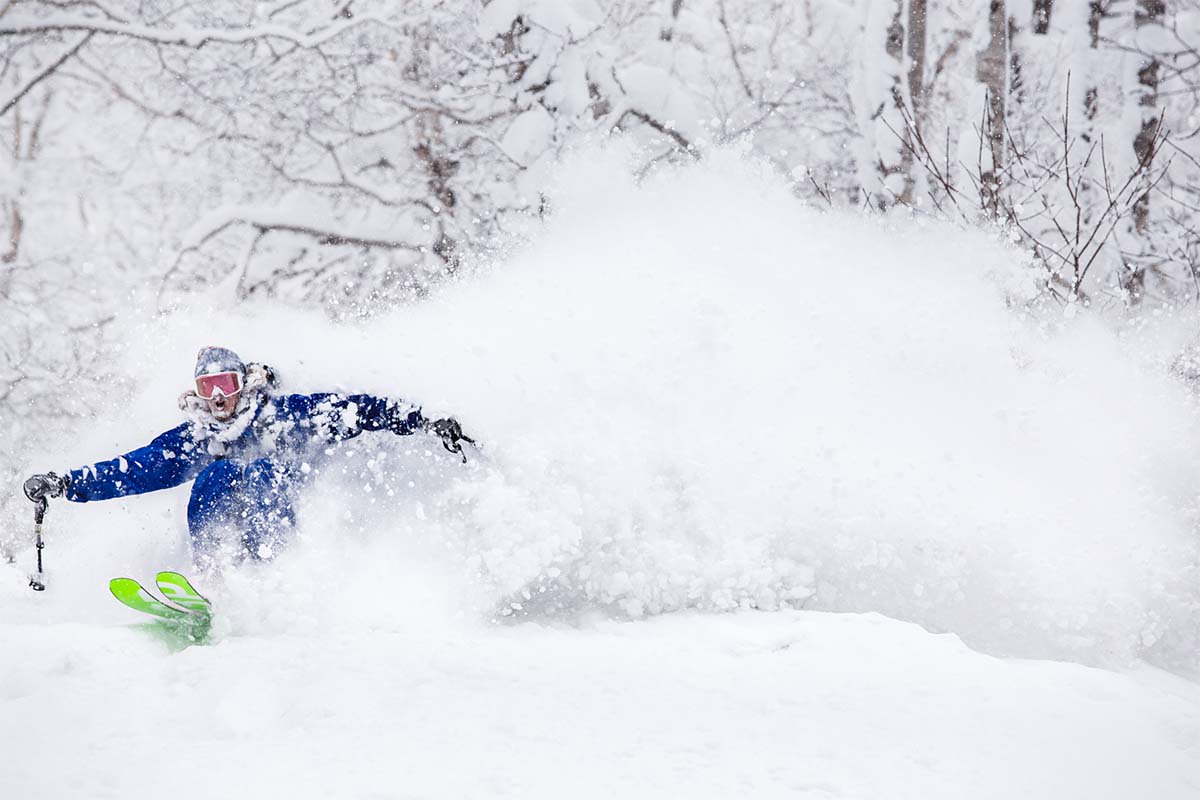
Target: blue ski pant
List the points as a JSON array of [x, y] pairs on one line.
[[255, 500]]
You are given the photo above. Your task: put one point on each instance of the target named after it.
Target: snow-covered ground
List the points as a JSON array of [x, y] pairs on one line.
[[913, 540], [788, 704]]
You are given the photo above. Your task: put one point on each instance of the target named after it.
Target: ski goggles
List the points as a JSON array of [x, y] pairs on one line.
[[227, 383]]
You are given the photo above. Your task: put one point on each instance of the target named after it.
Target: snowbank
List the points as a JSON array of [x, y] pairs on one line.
[[700, 394]]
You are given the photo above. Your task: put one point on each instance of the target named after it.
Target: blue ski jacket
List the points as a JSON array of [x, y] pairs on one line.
[[288, 430]]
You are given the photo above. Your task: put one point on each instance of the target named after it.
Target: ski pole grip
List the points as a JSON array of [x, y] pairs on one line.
[[39, 510]]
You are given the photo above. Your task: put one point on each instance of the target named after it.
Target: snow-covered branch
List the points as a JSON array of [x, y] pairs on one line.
[[191, 37], [267, 221], [7, 104]]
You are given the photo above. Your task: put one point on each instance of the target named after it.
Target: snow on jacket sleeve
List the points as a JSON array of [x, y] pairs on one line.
[[172, 458], [342, 416]]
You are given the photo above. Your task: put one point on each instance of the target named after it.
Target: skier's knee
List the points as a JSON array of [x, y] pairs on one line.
[[261, 474]]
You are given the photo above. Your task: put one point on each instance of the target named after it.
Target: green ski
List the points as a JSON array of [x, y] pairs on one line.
[[131, 593], [176, 627], [176, 588]]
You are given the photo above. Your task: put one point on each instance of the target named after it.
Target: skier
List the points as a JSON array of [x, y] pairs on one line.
[[249, 450]]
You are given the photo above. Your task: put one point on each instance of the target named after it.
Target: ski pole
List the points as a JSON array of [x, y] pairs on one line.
[[38, 582]]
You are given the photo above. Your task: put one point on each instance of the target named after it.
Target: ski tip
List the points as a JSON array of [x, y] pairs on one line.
[[175, 579], [116, 585], [180, 591]]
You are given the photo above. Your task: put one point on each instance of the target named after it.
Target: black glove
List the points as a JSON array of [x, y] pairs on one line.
[[451, 433], [39, 487]]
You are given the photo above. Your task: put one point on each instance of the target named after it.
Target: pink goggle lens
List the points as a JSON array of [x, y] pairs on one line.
[[229, 383]]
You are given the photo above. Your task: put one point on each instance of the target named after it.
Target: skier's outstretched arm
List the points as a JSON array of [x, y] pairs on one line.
[[346, 416], [172, 458]]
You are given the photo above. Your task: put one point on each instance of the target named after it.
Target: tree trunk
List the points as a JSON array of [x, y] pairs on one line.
[[1042, 10], [894, 47], [1148, 25], [992, 70], [1016, 81], [1091, 97], [668, 32], [11, 222], [885, 162], [916, 57]]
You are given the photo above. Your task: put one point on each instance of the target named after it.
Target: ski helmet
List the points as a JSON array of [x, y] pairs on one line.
[[213, 360]]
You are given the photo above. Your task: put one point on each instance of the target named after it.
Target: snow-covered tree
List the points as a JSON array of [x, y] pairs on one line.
[[348, 154]]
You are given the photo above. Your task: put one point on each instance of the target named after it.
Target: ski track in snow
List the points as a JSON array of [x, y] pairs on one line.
[[695, 396]]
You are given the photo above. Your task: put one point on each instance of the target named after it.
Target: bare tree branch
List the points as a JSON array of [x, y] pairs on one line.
[[46, 72]]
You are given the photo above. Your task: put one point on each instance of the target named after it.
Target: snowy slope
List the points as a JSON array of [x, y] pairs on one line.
[[696, 396], [792, 704]]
